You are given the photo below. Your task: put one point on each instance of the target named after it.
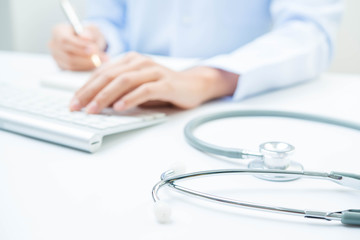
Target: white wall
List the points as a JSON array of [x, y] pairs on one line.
[[5, 25], [26, 26], [32, 20], [347, 55]]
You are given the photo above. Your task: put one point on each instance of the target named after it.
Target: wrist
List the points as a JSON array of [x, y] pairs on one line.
[[213, 82]]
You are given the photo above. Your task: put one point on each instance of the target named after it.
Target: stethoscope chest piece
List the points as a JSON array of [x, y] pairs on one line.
[[276, 155]]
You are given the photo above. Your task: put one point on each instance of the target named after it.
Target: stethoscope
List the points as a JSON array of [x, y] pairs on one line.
[[272, 162]]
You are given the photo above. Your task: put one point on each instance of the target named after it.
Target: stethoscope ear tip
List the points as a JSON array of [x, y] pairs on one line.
[[162, 212], [178, 168]]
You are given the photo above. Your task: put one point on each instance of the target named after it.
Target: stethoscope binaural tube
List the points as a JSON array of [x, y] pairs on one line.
[[169, 178]]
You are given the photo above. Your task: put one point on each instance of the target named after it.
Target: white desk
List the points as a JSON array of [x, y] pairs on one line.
[[52, 192]]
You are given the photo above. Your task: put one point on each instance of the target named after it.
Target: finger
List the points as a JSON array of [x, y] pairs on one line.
[[103, 70], [88, 35], [127, 59], [120, 86], [85, 94], [84, 50], [73, 40], [71, 62], [91, 33], [147, 92]]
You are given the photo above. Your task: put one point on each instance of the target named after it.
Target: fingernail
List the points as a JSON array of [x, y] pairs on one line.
[[120, 105], [75, 105], [92, 107]]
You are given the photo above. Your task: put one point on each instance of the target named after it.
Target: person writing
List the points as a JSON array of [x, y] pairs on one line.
[[247, 47]]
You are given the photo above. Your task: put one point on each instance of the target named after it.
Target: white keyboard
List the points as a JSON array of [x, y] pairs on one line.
[[46, 116]]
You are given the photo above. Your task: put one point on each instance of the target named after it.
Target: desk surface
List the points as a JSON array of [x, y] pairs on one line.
[[52, 192]]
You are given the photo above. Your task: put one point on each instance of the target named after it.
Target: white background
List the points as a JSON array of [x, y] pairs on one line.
[[52, 192]]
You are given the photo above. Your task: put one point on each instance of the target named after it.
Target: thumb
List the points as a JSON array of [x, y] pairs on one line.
[[87, 35]]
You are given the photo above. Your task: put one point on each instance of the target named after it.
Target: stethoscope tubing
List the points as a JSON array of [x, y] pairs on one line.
[[242, 153]]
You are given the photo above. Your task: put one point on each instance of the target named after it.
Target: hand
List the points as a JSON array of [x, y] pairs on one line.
[[73, 52], [136, 79]]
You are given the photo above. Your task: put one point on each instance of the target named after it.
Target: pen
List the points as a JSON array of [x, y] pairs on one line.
[[76, 24]]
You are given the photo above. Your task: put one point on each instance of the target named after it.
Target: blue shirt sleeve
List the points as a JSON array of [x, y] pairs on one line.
[[298, 48], [110, 17]]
